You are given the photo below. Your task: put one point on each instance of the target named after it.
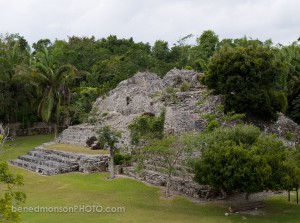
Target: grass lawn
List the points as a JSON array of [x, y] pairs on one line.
[[142, 203], [22, 145], [76, 149]]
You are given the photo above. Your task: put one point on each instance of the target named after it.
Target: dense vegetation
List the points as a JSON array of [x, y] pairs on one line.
[[245, 160], [234, 157], [249, 78], [58, 81]]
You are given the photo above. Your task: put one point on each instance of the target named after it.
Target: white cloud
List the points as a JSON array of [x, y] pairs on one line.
[[150, 20]]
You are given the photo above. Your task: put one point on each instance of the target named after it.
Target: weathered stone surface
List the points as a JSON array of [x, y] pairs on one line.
[[77, 134], [93, 164], [50, 161], [141, 94], [281, 127], [175, 77], [183, 184]]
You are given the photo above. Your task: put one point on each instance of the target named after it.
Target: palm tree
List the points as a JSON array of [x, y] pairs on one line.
[[52, 82]]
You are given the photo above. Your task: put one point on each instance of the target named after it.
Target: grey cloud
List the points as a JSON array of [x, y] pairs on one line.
[[150, 20]]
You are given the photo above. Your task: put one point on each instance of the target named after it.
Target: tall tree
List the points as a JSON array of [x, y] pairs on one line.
[[207, 45], [110, 137], [52, 83], [14, 95], [248, 77]]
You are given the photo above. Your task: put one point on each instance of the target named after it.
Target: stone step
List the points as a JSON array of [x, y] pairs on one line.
[[32, 159], [58, 158], [43, 151], [62, 168], [44, 170], [45, 160], [77, 135], [24, 164], [50, 161]]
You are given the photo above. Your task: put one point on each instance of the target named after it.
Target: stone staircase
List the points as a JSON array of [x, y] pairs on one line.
[[51, 162], [77, 134]]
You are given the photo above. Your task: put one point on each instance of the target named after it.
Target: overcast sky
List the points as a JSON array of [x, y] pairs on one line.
[[149, 20]]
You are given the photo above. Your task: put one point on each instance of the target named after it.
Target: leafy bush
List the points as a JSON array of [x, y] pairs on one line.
[[241, 159], [295, 111], [82, 101], [10, 197], [212, 125], [185, 86], [169, 96], [122, 159], [289, 135], [248, 77], [188, 68], [147, 127]]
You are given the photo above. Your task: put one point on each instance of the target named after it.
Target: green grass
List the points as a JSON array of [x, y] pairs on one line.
[[76, 149], [22, 145], [142, 203]]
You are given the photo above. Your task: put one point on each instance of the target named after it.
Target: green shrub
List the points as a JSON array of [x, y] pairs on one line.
[[295, 109], [122, 159], [289, 135], [212, 125], [279, 101], [147, 127], [185, 86], [202, 79], [188, 68]]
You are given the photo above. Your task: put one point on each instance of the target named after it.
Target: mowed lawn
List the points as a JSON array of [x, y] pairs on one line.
[[76, 149], [142, 203]]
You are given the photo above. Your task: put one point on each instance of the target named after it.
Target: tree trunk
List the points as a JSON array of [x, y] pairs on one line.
[[297, 197], [224, 194], [247, 196], [112, 165], [168, 185], [55, 130]]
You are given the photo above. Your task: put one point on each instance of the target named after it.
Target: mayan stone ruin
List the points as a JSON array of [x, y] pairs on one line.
[[144, 93]]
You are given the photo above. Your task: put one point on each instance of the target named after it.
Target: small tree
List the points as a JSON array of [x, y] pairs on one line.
[[146, 128], [165, 154], [10, 198], [241, 159], [110, 137], [4, 135]]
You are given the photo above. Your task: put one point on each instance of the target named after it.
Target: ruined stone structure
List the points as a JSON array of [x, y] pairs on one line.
[[281, 127], [145, 93], [148, 93], [50, 162]]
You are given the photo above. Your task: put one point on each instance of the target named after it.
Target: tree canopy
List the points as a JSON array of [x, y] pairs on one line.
[[248, 77], [247, 71], [243, 159]]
